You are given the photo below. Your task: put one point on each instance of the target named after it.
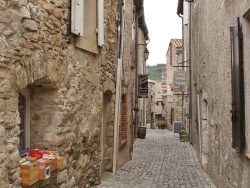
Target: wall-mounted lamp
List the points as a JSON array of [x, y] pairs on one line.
[[146, 54]]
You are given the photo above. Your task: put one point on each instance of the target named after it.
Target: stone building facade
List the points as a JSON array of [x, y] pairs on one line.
[[155, 105], [219, 48], [173, 98], [58, 91], [150, 104]]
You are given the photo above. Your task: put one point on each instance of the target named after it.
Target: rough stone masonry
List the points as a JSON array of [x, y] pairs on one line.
[[66, 86]]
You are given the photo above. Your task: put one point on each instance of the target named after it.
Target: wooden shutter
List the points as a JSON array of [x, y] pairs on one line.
[[237, 112], [100, 7], [89, 39], [124, 121], [77, 17]]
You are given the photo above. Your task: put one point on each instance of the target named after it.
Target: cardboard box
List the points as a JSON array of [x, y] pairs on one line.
[[29, 182], [44, 169], [61, 162], [29, 173], [53, 164]]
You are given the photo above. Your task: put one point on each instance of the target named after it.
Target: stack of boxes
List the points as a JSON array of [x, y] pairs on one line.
[[37, 165]]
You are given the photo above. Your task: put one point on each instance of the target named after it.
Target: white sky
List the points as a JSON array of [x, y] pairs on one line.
[[163, 24]]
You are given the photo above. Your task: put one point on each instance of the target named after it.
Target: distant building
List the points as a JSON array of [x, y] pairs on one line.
[[175, 82]]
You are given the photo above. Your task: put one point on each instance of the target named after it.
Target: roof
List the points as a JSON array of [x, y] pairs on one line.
[[176, 42], [141, 20]]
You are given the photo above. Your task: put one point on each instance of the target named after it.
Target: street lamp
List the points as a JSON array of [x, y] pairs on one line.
[[146, 54]]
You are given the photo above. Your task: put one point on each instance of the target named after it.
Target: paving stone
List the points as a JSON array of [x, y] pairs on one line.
[[160, 161]]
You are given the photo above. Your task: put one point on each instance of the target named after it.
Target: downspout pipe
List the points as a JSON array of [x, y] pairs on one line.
[[136, 109], [190, 72], [183, 62], [119, 76]]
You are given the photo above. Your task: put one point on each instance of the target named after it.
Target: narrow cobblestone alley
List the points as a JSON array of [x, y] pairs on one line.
[[160, 161]]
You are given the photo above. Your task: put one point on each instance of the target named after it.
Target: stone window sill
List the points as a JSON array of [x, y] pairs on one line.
[[123, 143], [248, 155]]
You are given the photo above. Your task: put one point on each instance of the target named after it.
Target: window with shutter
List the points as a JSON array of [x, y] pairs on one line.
[[87, 24], [237, 112]]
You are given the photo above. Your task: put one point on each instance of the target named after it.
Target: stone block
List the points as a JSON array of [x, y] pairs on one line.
[[25, 13], [30, 25], [3, 157], [62, 176], [48, 7]]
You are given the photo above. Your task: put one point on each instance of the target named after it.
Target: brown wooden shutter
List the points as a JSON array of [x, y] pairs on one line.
[[237, 112], [89, 39], [124, 121]]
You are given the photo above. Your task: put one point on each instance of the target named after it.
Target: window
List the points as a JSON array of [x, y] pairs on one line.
[[87, 23], [237, 81], [24, 114]]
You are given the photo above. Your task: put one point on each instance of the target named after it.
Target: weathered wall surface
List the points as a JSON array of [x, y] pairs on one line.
[[211, 64], [173, 58], [128, 83], [66, 85]]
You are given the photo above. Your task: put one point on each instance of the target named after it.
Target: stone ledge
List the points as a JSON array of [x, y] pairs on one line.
[[248, 155]]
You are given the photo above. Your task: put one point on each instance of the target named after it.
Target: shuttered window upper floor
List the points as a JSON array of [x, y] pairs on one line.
[[87, 24]]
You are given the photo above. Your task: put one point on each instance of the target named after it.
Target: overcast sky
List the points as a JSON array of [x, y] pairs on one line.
[[163, 24]]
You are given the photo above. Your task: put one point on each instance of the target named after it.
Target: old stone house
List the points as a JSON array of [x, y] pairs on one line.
[[141, 39], [154, 103], [175, 85], [216, 35], [66, 80], [150, 102]]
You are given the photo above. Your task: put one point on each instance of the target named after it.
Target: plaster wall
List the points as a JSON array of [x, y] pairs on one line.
[[125, 152], [211, 77]]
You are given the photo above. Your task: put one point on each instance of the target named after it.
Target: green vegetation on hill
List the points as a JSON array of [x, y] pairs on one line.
[[155, 71]]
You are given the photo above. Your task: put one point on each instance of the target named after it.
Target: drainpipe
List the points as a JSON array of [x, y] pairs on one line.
[[136, 109], [182, 48], [190, 73], [119, 75]]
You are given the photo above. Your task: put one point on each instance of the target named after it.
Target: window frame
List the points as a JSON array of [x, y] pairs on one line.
[[25, 92], [90, 32]]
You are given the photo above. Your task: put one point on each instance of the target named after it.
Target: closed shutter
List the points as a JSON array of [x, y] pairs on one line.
[[84, 24], [124, 121], [237, 112], [77, 17], [100, 22]]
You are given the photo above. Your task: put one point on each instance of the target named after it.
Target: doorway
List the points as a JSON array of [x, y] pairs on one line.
[[106, 134]]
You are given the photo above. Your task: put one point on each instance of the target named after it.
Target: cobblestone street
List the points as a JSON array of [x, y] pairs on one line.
[[160, 161]]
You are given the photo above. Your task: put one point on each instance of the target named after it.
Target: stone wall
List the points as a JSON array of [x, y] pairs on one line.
[[128, 83], [211, 66], [66, 86], [173, 101]]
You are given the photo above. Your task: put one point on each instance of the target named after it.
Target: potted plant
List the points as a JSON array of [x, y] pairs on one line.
[[161, 124], [184, 136]]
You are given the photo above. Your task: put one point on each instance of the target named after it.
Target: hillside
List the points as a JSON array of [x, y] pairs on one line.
[[155, 71]]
